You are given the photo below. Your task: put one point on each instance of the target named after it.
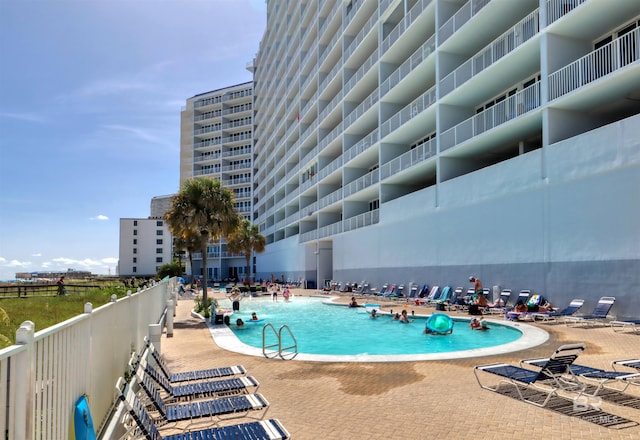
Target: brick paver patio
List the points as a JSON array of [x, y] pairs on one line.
[[414, 400]]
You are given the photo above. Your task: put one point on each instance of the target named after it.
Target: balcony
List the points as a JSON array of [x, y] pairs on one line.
[[512, 107], [620, 53]]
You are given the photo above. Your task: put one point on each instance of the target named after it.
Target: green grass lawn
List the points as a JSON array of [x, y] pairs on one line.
[[50, 310]]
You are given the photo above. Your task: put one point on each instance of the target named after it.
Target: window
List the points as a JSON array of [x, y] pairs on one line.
[[159, 232], [135, 232], [135, 241], [158, 250], [135, 250], [159, 223], [374, 204], [135, 223], [135, 260], [158, 259], [159, 241], [135, 269]]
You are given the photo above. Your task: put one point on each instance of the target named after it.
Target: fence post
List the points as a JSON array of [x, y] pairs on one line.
[[170, 314], [24, 389], [155, 331]]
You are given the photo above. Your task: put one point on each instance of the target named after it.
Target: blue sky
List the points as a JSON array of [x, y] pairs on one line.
[[90, 99]]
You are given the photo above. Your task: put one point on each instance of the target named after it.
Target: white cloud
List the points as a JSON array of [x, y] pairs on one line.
[[28, 117], [16, 263], [110, 260], [99, 217], [2, 260], [37, 254]]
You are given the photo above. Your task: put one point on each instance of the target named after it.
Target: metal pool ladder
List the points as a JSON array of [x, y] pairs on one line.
[[283, 352]]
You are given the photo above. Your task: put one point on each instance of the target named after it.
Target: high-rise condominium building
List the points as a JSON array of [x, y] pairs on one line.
[[216, 141], [424, 141]]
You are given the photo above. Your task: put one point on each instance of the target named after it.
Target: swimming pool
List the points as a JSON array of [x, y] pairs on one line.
[[337, 333]]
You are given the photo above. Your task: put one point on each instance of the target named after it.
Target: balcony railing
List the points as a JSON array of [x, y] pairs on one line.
[[501, 46], [616, 55], [514, 106], [361, 183], [362, 220], [558, 8], [460, 18], [412, 110], [409, 159]]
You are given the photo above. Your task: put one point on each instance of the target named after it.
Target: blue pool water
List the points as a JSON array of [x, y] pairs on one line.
[[321, 328]]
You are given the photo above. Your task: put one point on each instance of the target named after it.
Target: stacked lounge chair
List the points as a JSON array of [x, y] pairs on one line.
[[145, 426]]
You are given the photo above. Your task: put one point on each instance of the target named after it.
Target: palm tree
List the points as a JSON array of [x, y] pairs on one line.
[[188, 240], [246, 239], [205, 206]]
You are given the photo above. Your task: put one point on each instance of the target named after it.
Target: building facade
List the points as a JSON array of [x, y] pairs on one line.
[[216, 140], [145, 245], [423, 141]]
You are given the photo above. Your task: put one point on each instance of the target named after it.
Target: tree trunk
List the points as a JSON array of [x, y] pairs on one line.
[[248, 258], [205, 241]]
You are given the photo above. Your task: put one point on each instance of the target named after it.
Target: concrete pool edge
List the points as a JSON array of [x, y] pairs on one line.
[[532, 336]]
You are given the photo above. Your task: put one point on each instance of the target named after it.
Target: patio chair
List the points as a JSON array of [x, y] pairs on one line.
[[270, 429], [599, 313], [237, 406], [198, 389], [572, 308], [433, 294], [549, 379], [633, 324], [629, 363], [576, 372], [193, 375]]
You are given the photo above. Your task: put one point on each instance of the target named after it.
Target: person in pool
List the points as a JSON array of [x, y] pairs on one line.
[[254, 317], [478, 324], [404, 318], [353, 302], [240, 323], [396, 317], [373, 314]]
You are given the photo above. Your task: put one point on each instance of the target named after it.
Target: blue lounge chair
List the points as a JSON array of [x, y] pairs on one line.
[[230, 405], [270, 429], [571, 309], [601, 377], [629, 363], [549, 379], [198, 389], [185, 376], [598, 315]]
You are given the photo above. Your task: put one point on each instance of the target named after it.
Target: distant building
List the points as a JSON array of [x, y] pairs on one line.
[[70, 274], [160, 205], [145, 245], [216, 140]]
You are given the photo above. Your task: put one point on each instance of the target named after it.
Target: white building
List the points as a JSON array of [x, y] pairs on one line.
[[160, 205], [216, 140], [423, 141], [145, 245]]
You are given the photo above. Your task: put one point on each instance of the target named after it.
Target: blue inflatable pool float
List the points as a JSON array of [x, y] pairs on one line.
[[439, 324]]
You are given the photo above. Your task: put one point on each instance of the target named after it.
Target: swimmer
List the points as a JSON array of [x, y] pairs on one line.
[[396, 317], [353, 302], [240, 323], [254, 317], [373, 314], [404, 318]]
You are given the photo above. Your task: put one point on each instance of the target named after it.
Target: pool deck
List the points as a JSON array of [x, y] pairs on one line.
[[414, 399]]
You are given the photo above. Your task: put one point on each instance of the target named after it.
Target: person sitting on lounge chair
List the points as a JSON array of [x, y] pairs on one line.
[[539, 308]]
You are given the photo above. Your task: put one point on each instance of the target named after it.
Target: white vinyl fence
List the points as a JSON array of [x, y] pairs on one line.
[[42, 376]]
